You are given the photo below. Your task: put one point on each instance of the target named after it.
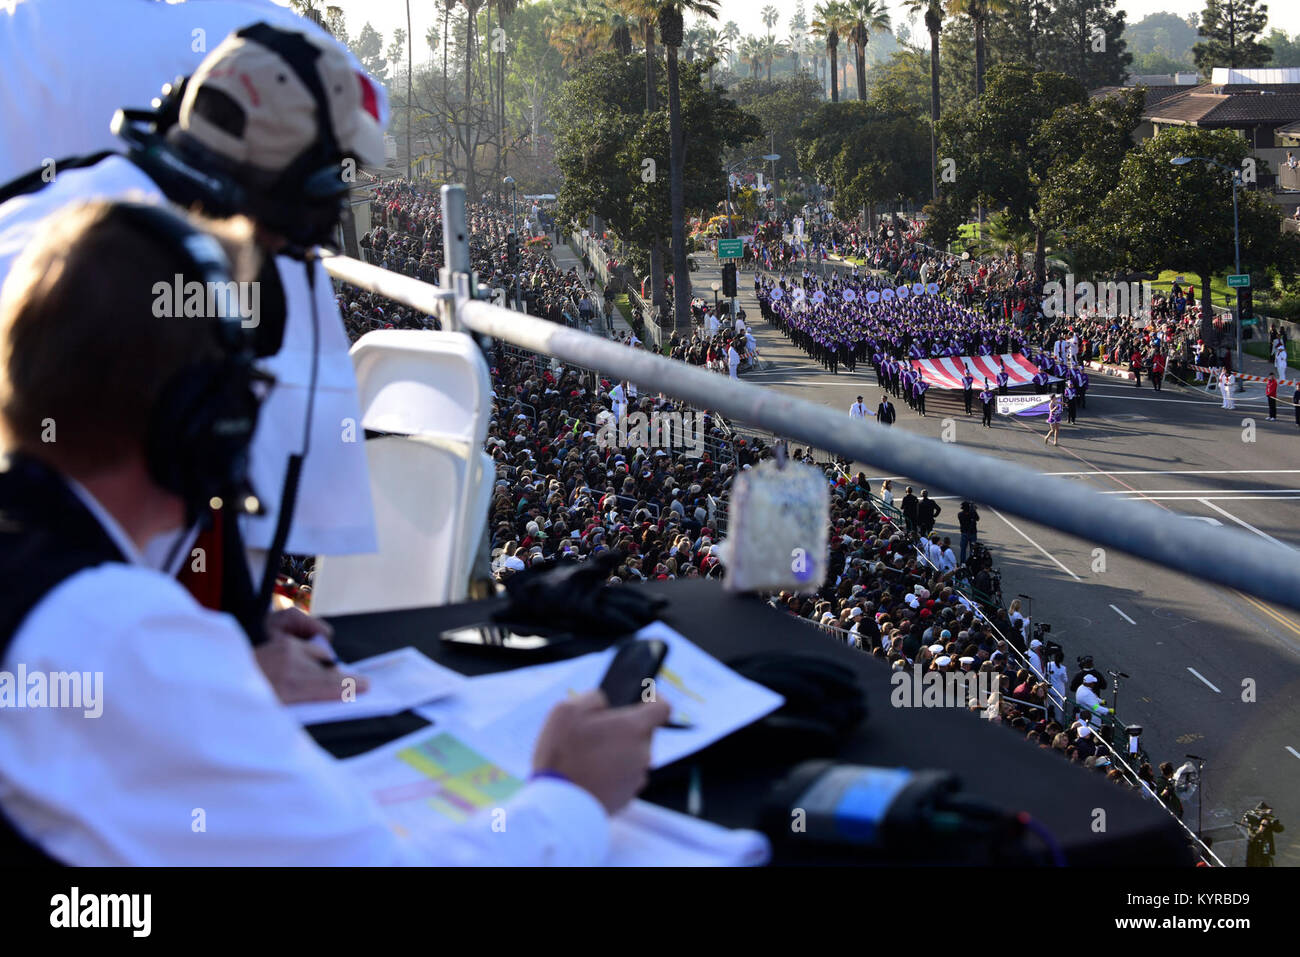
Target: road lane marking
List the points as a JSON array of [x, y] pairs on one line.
[[1206, 680], [1208, 403], [1036, 545], [1193, 491], [1187, 472], [1293, 751], [1122, 615], [1244, 524]]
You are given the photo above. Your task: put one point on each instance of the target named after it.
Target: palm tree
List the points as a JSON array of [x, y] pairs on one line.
[[979, 12], [730, 37], [646, 15], [671, 16], [869, 16], [770, 16], [505, 10], [771, 48], [933, 13], [751, 52], [829, 21], [709, 46], [795, 45]]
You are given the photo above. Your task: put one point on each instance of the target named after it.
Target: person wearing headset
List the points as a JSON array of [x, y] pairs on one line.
[[118, 426], [271, 125]]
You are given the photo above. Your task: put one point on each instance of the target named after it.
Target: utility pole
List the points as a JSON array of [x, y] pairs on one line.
[[408, 91]]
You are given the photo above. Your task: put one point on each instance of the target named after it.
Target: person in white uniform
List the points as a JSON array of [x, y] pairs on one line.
[[1225, 389], [733, 360], [1279, 360], [190, 724], [1086, 698]]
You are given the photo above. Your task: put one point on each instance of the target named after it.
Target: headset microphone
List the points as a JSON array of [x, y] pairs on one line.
[[206, 414]]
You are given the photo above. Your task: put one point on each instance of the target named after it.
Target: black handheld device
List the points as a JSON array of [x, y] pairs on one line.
[[635, 663]]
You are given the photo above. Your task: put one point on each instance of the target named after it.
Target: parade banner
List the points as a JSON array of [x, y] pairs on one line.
[[945, 372], [1023, 404]]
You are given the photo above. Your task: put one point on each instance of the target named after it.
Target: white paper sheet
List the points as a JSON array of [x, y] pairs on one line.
[[399, 680], [509, 710], [440, 776]]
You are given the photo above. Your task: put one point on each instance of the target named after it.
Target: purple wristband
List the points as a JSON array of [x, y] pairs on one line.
[[547, 773]]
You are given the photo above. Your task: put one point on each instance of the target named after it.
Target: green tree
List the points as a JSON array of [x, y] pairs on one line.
[[671, 27], [1286, 50], [1165, 33], [1160, 216], [868, 17], [782, 106], [932, 12], [1086, 144], [368, 48], [604, 138], [831, 21], [336, 24], [396, 52], [1000, 159], [1230, 29], [979, 12], [867, 153], [1089, 43]]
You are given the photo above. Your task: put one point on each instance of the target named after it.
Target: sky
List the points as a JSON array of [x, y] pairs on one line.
[[387, 15]]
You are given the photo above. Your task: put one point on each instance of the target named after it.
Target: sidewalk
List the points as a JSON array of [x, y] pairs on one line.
[[565, 258]]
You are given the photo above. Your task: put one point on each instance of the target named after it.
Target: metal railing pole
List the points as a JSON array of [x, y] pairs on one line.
[[1142, 530]]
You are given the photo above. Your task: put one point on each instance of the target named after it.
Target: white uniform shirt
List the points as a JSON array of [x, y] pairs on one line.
[[949, 560], [858, 411], [1087, 699], [333, 515], [189, 722]]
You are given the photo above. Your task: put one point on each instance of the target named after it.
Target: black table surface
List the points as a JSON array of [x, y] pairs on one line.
[[1096, 821]]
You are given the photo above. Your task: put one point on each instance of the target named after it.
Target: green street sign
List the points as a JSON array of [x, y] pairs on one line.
[[731, 248], [1249, 322], [1239, 282]]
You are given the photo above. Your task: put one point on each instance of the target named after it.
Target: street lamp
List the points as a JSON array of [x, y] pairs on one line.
[[1235, 176], [509, 183], [716, 286]]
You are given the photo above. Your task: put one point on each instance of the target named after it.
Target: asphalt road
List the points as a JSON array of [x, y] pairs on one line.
[[1213, 672]]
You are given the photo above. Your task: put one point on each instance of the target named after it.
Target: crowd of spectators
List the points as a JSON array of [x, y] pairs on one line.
[[895, 588]]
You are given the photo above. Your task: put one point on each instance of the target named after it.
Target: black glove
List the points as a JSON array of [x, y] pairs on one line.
[[574, 596]]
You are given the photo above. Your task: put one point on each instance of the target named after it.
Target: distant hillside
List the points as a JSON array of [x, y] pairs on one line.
[[1166, 34]]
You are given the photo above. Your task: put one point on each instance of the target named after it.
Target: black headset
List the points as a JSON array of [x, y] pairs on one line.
[[303, 203], [203, 421]]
